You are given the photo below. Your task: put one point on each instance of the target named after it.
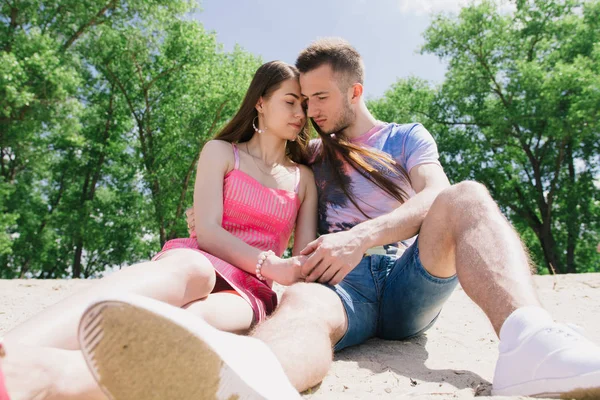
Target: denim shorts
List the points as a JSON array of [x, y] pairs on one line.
[[391, 298]]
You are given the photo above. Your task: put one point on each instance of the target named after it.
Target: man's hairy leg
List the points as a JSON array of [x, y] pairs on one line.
[[303, 330], [465, 233]]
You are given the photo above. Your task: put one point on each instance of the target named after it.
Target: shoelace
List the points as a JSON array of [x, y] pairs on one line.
[[578, 330]]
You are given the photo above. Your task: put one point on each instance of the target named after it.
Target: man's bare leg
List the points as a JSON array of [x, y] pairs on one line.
[[481, 236], [465, 233], [302, 332]]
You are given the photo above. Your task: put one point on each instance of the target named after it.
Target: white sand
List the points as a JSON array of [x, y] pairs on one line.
[[454, 360]]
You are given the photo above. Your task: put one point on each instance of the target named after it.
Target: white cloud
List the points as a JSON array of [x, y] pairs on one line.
[[426, 7], [430, 6]]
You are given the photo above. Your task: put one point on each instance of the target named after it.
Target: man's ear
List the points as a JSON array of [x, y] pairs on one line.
[[356, 92]]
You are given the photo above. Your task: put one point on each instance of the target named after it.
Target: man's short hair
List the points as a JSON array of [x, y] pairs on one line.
[[345, 62]]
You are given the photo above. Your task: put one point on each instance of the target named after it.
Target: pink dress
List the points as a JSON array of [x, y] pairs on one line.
[[260, 216]]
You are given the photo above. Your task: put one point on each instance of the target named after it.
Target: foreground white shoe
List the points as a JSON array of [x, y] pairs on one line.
[[553, 361], [138, 348]]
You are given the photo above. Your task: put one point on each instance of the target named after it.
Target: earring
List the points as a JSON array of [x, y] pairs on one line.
[[255, 127]]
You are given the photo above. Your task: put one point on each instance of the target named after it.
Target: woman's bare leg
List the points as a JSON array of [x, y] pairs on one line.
[[225, 311], [42, 373], [179, 277]]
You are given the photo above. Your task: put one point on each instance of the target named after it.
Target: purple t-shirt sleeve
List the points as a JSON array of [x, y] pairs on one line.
[[419, 148]]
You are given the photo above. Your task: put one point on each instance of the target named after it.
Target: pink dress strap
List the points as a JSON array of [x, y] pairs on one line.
[[236, 156], [297, 183]]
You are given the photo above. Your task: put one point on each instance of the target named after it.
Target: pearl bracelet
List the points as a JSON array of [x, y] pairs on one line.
[[261, 259]]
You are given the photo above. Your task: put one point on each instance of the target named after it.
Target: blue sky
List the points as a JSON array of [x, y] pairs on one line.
[[388, 33]]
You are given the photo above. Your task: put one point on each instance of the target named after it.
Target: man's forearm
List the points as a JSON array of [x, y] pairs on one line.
[[400, 224]]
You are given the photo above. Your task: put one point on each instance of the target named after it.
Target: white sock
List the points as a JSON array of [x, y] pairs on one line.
[[520, 324]]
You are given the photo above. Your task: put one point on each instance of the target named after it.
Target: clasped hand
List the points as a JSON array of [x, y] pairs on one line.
[[331, 257], [327, 259]]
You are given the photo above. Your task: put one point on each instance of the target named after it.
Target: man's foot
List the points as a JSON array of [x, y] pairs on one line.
[[139, 348], [547, 359]]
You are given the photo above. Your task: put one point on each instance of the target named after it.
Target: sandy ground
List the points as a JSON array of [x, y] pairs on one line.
[[454, 360]]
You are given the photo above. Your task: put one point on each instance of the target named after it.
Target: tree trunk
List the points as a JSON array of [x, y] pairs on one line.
[[573, 226], [160, 220], [548, 243], [77, 258], [53, 206], [89, 188]]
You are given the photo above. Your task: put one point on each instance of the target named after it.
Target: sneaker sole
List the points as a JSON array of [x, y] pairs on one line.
[[579, 388], [138, 348]]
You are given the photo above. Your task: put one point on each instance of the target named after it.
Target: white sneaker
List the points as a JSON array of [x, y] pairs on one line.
[[553, 361], [139, 348]]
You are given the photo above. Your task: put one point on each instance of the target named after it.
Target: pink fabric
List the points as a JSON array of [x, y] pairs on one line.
[[3, 392], [260, 216]]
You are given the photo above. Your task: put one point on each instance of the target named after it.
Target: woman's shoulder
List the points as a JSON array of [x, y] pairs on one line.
[[305, 172], [218, 149], [219, 152], [218, 145], [307, 179]]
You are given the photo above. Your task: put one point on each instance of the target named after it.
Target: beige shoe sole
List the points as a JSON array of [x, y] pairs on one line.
[[142, 349], [579, 388]]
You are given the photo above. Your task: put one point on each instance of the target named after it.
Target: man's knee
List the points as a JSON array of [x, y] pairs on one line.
[[311, 296], [467, 197], [466, 190], [314, 302]]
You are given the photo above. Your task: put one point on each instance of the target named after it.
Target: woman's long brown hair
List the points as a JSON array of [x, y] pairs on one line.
[[267, 79], [372, 164]]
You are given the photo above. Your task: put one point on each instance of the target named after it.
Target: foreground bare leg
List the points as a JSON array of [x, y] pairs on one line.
[[49, 373], [42, 373], [178, 278], [302, 332]]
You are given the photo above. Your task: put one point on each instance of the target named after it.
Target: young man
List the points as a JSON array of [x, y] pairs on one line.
[[379, 186]]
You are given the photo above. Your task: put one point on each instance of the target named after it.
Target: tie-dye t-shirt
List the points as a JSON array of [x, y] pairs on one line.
[[409, 145]]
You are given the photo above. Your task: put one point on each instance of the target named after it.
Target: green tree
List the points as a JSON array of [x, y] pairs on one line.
[[103, 108], [43, 84], [179, 88], [521, 102]]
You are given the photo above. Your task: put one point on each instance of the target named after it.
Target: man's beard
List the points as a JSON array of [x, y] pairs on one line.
[[346, 119]]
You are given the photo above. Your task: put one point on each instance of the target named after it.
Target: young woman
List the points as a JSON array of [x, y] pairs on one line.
[[251, 191]]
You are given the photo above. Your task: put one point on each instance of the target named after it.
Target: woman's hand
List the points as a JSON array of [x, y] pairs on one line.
[[284, 271]]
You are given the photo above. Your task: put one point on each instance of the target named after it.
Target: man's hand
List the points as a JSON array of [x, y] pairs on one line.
[[333, 257]]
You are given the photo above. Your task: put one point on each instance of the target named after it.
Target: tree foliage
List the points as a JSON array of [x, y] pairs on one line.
[[519, 111], [103, 108]]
